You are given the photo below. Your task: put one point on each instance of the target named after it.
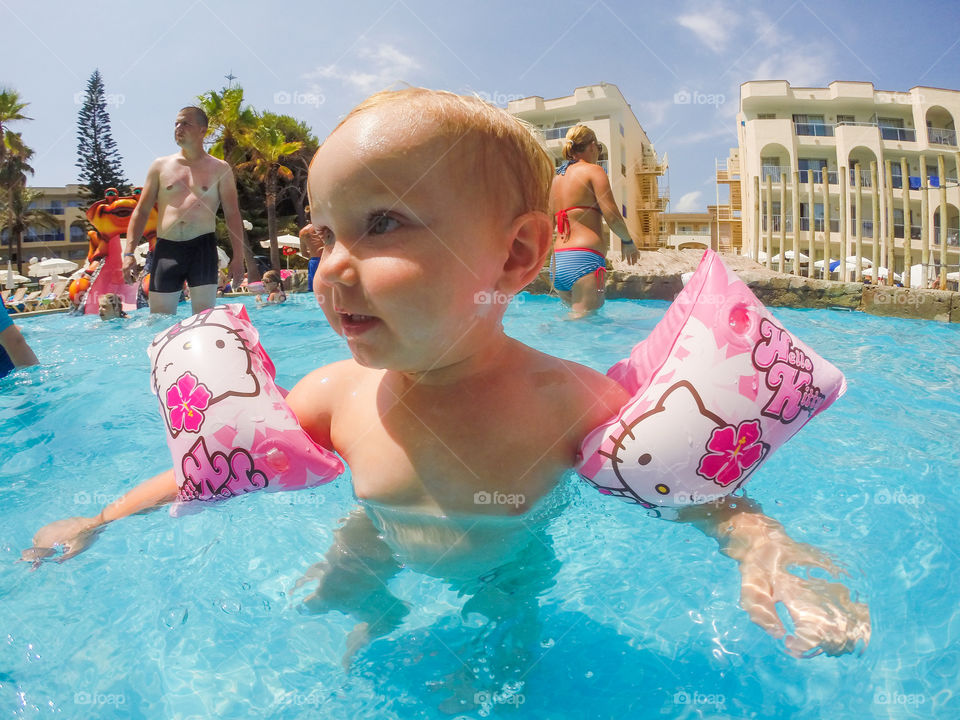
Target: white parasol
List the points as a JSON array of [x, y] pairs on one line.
[[51, 266]]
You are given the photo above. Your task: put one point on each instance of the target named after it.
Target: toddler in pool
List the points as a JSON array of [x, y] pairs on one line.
[[432, 209]]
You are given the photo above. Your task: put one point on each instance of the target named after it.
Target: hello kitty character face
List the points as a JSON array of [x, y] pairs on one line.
[[678, 451], [200, 361]]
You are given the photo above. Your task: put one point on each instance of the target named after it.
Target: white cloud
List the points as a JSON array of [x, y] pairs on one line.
[[373, 70], [713, 26], [809, 67], [703, 136], [689, 202], [652, 112]]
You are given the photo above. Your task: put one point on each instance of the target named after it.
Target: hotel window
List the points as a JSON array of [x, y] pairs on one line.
[[812, 125], [774, 215], [816, 164], [621, 129], [844, 119], [766, 116], [817, 216], [896, 177]]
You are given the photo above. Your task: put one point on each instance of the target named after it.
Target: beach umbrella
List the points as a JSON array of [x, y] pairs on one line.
[[881, 272], [223, 260], [247, 225], [804, 259], [916, 275], [284, 241], [13, 279], [52, 266], [864, 262]]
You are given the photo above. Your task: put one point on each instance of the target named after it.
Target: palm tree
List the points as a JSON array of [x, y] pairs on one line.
[[229, 122], [13, 155], [269, 148], [14, 169], [299, 163], [17, 216], [10, 110]]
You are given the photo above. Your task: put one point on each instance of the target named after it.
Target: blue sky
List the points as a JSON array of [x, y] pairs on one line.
[[315, 60]]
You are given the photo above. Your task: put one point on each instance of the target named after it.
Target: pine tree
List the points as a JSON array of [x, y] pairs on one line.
[[97, 155]]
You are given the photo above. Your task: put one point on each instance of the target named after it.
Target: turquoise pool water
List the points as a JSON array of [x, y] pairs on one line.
[[197, 616]]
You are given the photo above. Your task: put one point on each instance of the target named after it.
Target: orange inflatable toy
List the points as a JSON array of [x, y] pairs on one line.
[[103, 274]]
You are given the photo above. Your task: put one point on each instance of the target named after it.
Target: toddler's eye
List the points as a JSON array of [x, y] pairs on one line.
[[382, 223]]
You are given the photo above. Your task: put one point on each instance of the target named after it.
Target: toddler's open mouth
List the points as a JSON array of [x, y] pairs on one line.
[[354, 323]]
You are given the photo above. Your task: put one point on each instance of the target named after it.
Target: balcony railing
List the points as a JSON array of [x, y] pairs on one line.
[[942, 136], [818, 176], [775, 173], [899, 134], [556, 133], [816, 129], [865, 178]]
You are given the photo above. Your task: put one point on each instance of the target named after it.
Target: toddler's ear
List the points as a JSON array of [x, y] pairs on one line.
[[531, 233]]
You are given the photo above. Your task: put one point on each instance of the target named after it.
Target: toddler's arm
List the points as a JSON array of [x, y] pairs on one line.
[[825, 618], [75, 534]]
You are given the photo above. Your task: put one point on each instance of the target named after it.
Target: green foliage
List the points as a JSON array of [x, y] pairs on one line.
[[98, 159], [14, 168]]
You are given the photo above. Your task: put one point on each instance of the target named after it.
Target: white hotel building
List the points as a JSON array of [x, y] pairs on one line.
[[905, 144]]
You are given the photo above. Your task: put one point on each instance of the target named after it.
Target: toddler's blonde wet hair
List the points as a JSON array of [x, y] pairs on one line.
[[514, 161]]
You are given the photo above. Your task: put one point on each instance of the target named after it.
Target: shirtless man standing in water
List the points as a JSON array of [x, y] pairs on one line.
[[188, 187]]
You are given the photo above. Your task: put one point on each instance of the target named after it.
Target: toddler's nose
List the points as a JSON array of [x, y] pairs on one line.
[[337, 265]]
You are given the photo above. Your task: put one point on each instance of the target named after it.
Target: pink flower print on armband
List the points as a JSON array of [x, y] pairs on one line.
[[186, 401], [732, 452]]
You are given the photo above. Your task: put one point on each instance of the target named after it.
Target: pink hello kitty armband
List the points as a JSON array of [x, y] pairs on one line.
[[717, 387], [229, 429]]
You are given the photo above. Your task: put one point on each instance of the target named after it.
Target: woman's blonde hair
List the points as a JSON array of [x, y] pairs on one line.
[[510, 150], [578, 139]]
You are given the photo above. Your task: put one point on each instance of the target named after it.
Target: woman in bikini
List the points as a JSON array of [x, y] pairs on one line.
[[580, 199]]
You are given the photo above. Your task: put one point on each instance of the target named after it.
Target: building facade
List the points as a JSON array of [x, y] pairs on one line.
[[67, 240], [688, 230], [865, 173], [628, 156]]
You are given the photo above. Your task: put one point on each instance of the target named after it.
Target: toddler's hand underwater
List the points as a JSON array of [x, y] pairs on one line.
[[73, 535], [825, 619]]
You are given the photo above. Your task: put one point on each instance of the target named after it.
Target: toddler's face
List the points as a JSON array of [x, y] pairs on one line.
[[413, 248]]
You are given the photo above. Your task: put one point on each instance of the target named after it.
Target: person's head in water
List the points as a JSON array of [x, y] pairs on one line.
[[111, 306]]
